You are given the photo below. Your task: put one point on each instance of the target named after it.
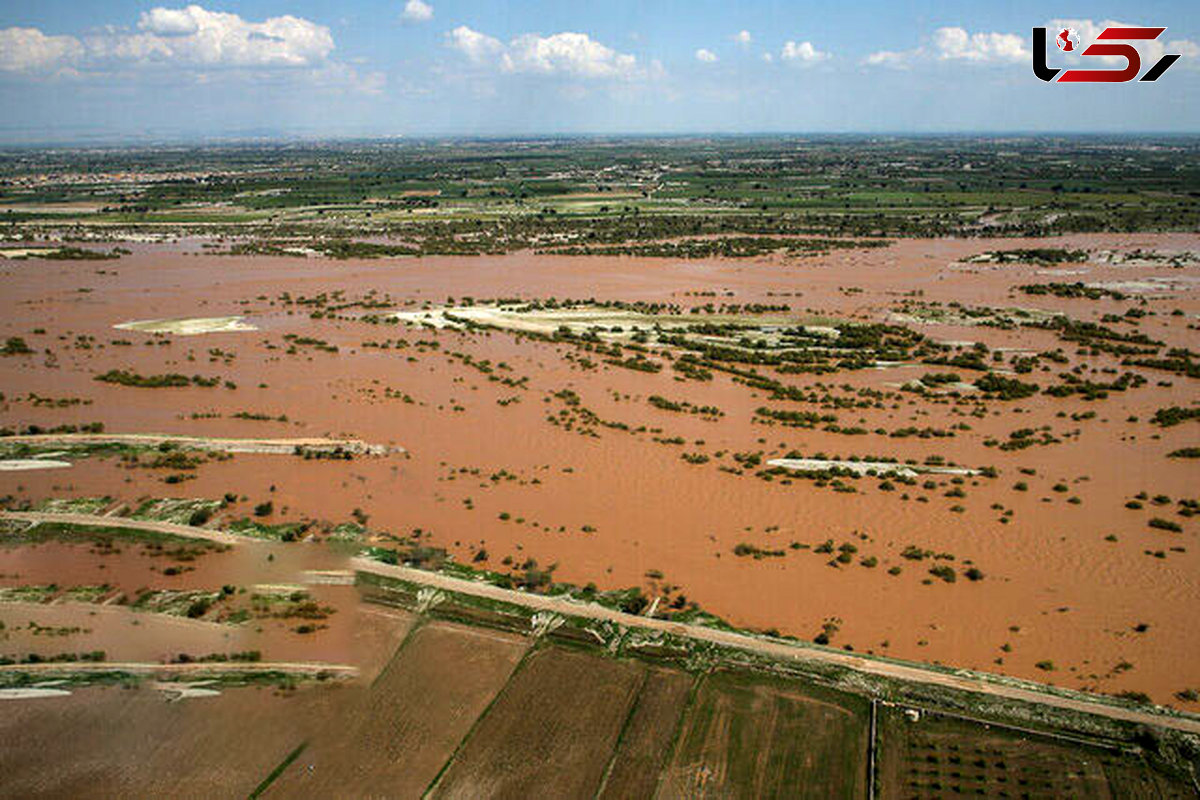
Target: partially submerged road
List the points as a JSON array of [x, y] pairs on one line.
[[915, 673], [152, 526], [260, 446], [306, 668]]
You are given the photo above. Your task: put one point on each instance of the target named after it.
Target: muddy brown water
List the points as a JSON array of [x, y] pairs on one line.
[[1055, 589]]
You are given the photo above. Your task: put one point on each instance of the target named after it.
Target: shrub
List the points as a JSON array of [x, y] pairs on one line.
[[1166, 417], [944, 572], [15, 346], [128, 378], [1005, 388]]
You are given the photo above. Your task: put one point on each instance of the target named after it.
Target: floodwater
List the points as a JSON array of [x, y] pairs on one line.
[[618, 507]]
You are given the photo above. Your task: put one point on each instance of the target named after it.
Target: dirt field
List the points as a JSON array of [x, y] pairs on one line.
[[648, 736], [746, 738], [393, 741], [550, 733], [113, 742], [469, 712]]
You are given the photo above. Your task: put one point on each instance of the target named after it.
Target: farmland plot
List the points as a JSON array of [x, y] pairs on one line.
[[929, 755], [754, 737], [550, 733], [393, 742]]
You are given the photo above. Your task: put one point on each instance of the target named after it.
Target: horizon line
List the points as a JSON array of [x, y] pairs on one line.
[[114, 141]]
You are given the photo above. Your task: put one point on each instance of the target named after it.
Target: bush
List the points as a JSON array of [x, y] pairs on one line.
[[944, 572], [1167, 417], [264, 509], [15, 346], [129, 378], [1005, 388], [635, 603], [199, 608]]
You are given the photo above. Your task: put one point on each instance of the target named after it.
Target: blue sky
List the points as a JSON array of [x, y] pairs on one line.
[[77, 70]]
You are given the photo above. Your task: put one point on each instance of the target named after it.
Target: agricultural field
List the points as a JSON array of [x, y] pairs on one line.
[[655, 197], [396, 738], [112, 741], [649, 733], [747, 738], [456, 708], [928, 755], [573, 738]]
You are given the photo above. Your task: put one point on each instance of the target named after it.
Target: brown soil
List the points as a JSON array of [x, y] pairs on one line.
[[648, 736], [744, 740], [113, 742], [393, 742], [550, 733]]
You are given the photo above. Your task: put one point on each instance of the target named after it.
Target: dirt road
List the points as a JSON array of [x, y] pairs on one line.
[[145, 668], [260, 446], [971, 682], [779, 649], [91, 520]]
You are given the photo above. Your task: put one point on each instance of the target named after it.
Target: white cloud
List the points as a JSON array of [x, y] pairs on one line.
[[743, 37], [1185, 48], [767, 57], [30, 50], [343, 77], [802, 52], [892, 58], [190, 44], [417, 11], [957, 43], [476, 46], [567, 53], [571, 54], [952, 43], [168, 22], [707, 56], [197, 37]]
